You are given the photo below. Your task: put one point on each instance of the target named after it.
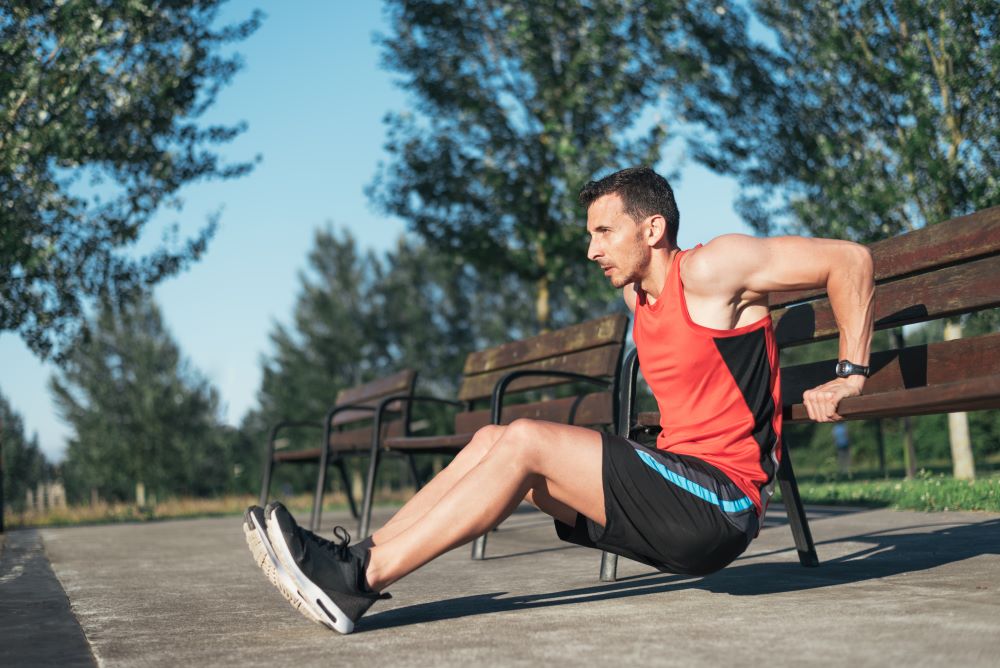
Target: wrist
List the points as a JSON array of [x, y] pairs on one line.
[[856, 382]]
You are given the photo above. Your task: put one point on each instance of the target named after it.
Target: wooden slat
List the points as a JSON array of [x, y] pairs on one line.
[[362, 438], [352, 440], [449, 443], [970, 394], [959, 289], [590, 410], [915, 366], [307, 454], [602, 362], [956, 240], [370, 394], [349, 416], [648, 419], [363, 394], [601, 331]]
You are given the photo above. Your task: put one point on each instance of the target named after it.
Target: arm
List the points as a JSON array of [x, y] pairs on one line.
[[746, 269]]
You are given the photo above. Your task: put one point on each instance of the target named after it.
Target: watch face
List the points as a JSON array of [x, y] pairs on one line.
[[844, 368]]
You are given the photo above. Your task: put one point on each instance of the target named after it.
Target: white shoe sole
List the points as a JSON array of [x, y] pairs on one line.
[[267, 561], [317, 599]]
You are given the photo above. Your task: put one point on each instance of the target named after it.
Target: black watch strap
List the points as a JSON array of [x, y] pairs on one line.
[[847, 368]]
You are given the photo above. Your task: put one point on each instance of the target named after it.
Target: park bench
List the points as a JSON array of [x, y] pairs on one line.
[[347, 430], [502, 384], [940, 271]]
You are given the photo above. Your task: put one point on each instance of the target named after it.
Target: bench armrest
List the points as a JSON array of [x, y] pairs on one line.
[[286, 424], [383, 405], [496, 403]]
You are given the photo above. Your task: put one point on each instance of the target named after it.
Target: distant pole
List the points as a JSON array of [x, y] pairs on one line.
[[880, 439], [1, 474]]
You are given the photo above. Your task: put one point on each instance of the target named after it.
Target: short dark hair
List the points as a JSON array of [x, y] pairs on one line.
[[644, 193]]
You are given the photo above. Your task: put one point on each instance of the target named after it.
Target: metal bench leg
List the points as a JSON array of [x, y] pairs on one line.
[[796, 513], [339, 463], [609, 567], [479, 548], [413, 471], [324, 461], [265, 485], [366, 505]]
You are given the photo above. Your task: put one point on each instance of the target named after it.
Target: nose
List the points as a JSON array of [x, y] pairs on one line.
[[594, 250]]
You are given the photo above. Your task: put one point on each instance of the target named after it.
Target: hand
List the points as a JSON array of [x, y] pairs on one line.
[[821, 402]]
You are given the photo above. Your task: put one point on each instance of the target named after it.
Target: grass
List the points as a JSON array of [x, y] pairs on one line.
[[927, 492], [106, 513]]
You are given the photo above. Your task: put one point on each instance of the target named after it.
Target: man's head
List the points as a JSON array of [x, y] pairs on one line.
[[629, 214]]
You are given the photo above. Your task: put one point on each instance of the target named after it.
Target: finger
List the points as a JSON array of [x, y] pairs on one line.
[[810, 409]]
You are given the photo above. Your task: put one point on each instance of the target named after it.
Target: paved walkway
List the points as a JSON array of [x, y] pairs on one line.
[[894, 588]]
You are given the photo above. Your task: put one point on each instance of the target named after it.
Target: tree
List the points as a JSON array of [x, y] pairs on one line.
[[138, 411], [24, 464], [518, 105], [359, 316], [863, 121], [99, 131]]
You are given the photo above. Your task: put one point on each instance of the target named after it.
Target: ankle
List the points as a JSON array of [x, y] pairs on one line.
[[373, 572]]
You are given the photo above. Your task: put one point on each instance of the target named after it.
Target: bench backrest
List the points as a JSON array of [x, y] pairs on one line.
[[370, 394], [592, 348], [943, 270]]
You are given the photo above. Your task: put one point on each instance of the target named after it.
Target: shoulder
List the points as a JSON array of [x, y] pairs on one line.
[[717, 265]]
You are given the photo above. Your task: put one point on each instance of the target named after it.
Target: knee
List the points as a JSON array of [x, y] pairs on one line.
[[482, 441], [520, 442]]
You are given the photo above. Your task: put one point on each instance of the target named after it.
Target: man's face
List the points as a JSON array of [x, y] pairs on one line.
[[616, 242]]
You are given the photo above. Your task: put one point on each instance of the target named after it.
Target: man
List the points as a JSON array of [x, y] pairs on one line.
[[690, 505]]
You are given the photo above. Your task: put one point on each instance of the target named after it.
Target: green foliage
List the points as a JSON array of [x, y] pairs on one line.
[[24, 465], [139, 412], [865, 120], [925, 492], [358, 317], [518, 105], [99, 109]]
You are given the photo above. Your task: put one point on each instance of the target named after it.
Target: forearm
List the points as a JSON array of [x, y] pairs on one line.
[[851, 288]]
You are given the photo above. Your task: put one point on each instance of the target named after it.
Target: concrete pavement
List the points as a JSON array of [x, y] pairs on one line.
[[893, 588]]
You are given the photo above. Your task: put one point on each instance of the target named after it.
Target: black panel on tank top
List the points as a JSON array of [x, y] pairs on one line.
[[746, 357]]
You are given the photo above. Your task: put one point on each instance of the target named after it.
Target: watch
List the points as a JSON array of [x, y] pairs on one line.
[[845, 369]]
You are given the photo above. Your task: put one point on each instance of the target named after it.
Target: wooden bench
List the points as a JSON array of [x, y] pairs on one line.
[[940, 271], [347, 430], [589, 354]]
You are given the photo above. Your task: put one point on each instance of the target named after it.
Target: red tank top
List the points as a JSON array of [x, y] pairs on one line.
[[718, 390]]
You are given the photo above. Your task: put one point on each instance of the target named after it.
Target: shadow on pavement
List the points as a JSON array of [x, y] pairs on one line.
[[884, 553]]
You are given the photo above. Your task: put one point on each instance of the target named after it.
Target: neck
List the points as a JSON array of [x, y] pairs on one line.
[[656, 274]]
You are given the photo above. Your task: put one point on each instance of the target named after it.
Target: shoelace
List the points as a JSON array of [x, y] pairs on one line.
[[338, 548]]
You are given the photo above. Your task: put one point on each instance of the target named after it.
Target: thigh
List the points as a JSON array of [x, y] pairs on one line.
[[566, 462]]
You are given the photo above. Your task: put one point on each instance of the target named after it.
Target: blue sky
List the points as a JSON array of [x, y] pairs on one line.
[[313, 96]]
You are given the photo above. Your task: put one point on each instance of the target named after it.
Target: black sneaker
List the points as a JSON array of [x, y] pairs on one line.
[[329, 575], [255, 531]]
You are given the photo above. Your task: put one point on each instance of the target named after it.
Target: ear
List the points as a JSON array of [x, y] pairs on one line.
[[656, 230]]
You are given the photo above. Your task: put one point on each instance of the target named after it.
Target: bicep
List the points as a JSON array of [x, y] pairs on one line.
[[777, 264]]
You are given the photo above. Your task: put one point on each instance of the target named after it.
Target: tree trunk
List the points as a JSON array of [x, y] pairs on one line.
[[880, 443], [962, 463], [542, 307], [543, 311], [909, 450]]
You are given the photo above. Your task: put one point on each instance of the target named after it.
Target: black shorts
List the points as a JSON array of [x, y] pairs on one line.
[[673, 512]]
